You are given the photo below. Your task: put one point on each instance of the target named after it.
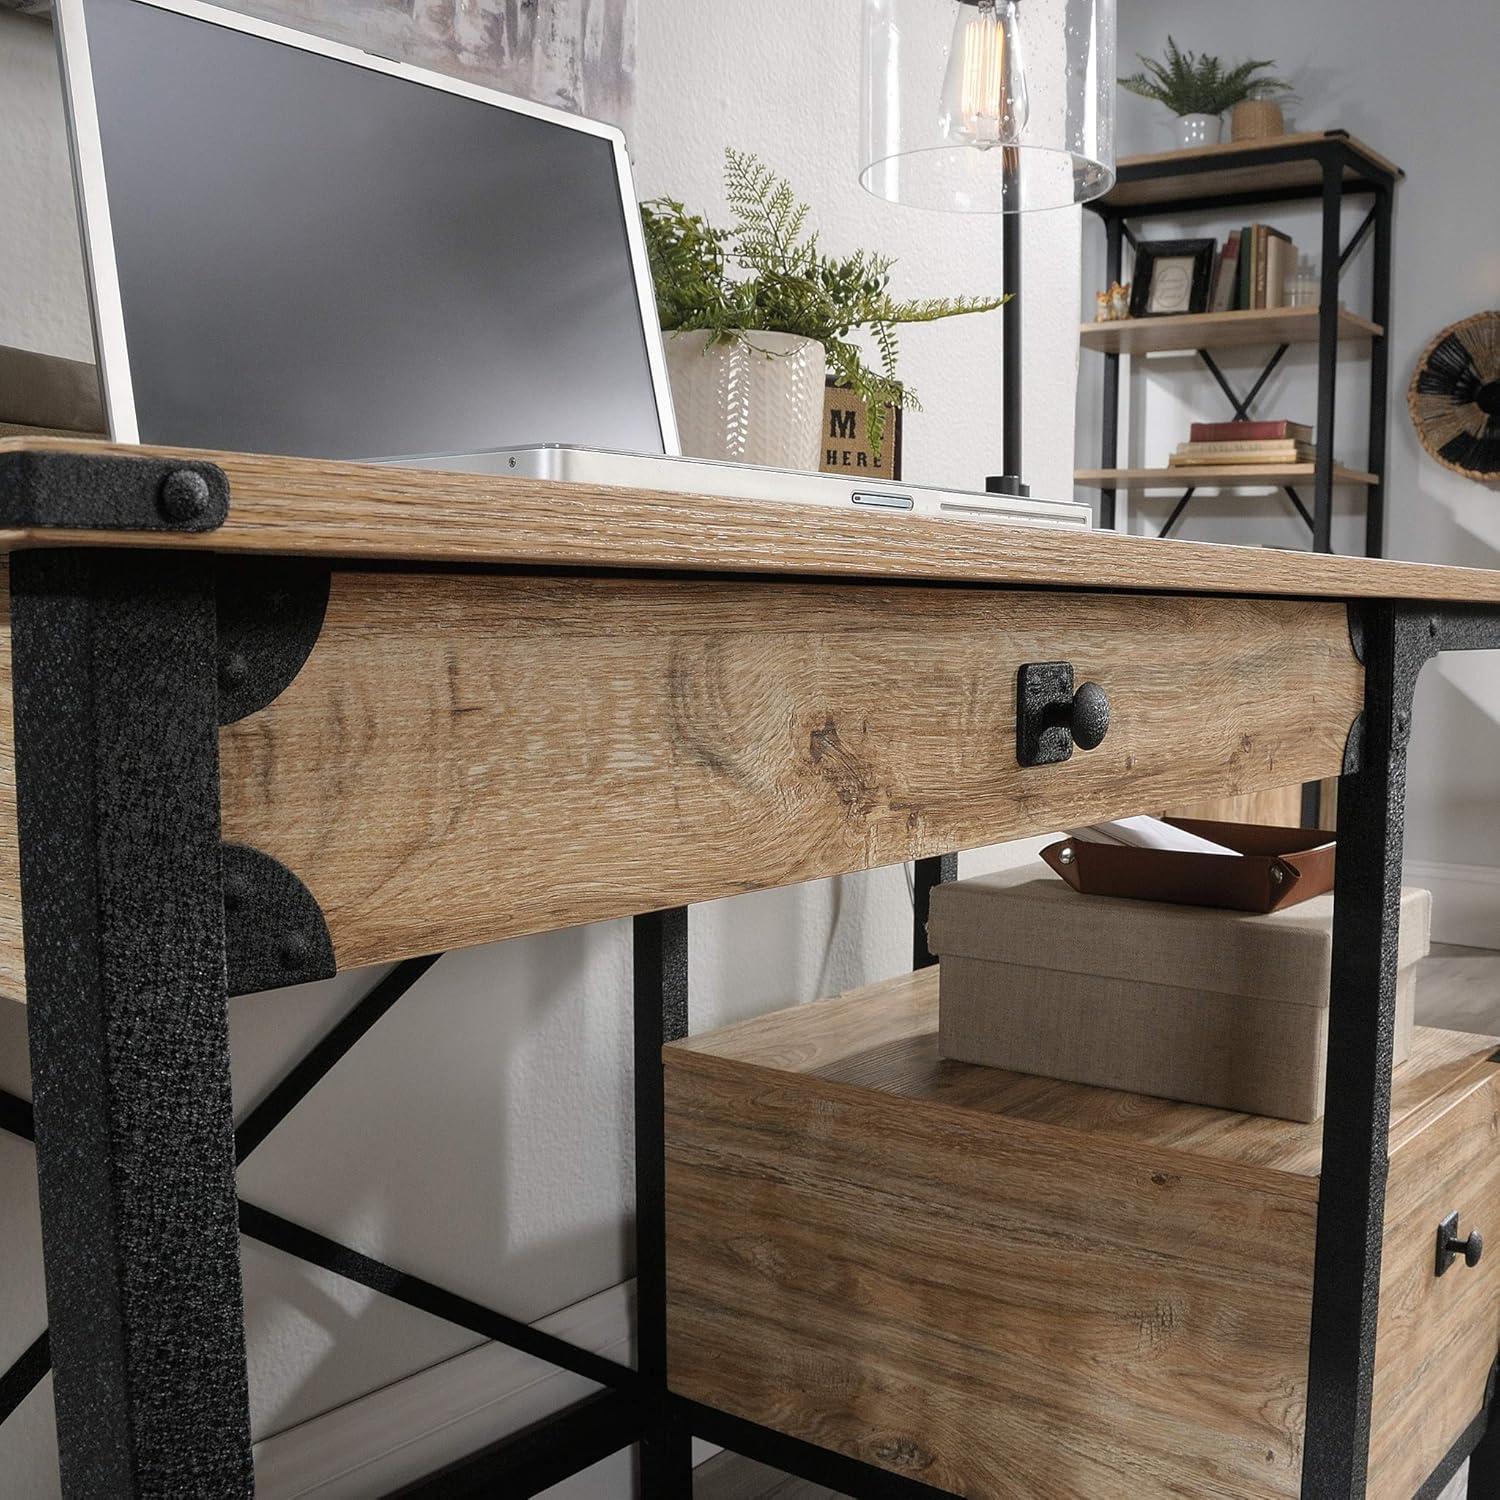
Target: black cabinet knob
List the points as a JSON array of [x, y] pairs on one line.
[[1052, 717], [1450, 1247], [1089, 719]]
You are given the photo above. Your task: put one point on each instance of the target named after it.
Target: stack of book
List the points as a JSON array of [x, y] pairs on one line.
[[1254, 268], [1239, 443]]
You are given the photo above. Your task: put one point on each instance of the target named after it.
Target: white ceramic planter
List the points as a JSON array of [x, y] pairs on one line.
[[1197, 130], [755, 400]]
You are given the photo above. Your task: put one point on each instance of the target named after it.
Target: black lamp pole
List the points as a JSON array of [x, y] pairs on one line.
[[1009, 482]]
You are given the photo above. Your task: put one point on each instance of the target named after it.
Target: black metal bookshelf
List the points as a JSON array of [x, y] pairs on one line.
[[1329, 167]]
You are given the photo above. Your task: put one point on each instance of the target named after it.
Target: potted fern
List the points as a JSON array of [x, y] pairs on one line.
[[756, 316], [1199, 88]]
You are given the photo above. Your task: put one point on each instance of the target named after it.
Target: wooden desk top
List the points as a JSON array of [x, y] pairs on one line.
[[362, 512]]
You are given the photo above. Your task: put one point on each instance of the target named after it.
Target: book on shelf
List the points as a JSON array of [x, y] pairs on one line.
[[1248, 431], [1255, 275], [1291, 452], [1277, 264], [1225, 274]]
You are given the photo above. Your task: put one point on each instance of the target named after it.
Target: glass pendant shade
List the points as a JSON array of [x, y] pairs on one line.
[[988, 106]]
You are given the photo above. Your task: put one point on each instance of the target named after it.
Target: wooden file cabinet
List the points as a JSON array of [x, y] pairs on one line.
[[1010, 1287]]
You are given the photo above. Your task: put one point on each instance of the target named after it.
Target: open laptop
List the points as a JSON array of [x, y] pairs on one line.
[[297, 247]]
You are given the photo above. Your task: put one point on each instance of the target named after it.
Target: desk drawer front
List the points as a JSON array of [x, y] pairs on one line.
[[465, 758]]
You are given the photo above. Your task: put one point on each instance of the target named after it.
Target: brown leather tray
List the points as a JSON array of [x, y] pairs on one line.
[[1281, 867]]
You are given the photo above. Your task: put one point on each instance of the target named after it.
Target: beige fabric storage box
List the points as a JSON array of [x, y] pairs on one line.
[[1209, 1007]]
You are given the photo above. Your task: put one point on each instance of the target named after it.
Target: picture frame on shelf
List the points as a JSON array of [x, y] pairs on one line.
[[1172, 277]]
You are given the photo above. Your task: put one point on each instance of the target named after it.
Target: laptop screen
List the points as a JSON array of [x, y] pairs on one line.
[[319, 259]]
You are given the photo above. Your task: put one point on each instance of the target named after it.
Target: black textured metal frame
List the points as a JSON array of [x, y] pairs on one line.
[[117, 806], [1334, 155], [1395, 641], [140, 925], [119, 689]]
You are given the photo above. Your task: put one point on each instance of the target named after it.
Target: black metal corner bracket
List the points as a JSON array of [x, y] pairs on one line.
[[1356, 612], [111, 492], [274, 930], [1354, 745], [270, 613]]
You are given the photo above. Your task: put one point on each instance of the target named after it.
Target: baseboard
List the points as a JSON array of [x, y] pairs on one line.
[[406, 1430], [1465, 901]]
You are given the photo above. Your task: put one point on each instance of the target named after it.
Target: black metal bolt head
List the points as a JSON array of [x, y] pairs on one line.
[[235, 894], [233, 670], [1090, 716], [185, 496]]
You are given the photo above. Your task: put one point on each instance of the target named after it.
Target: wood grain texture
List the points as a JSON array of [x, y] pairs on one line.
[[884, 1037], [1218, 330], [1204, 475], [1437, 1336], [1281, 807], [360, 511], [471, 757], [1020, 1288], [1253, 177], [948, 1295]]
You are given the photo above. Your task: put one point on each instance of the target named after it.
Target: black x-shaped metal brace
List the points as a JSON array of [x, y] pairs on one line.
[[306, 1244]]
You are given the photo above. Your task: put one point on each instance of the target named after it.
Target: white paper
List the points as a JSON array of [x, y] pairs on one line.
[[1148, 833]]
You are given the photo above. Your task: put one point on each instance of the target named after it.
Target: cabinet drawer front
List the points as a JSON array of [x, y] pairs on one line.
[[465, 758], [1437, 1335]]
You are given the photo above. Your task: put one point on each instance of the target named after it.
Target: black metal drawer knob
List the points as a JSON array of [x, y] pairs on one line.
[[1051, 717], [1450, 1247]]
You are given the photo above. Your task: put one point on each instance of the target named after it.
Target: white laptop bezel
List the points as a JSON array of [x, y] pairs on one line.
[[97, 235]]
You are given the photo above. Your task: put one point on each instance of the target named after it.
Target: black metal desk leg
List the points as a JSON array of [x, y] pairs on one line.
[[118, 814], [1361, 1026], [661, 1016], [1484, 1464], [1396, 642], [927, 873]]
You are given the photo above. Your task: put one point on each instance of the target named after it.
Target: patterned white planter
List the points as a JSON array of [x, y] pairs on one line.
[[1197, 130], [755, 400]]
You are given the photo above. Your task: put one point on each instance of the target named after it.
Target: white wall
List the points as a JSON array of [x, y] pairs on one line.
[[479, 1136], [1419, 86], [42, 302]]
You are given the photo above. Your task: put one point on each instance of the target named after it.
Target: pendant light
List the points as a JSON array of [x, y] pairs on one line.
[[988, 106]]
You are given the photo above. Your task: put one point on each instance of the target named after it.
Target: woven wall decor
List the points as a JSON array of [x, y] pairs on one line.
[[1454, 397]]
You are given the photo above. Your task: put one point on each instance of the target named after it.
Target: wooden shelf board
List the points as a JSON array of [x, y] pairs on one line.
[[884, 1038], [1219, 330], [1246, 476], [1148, 181]]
